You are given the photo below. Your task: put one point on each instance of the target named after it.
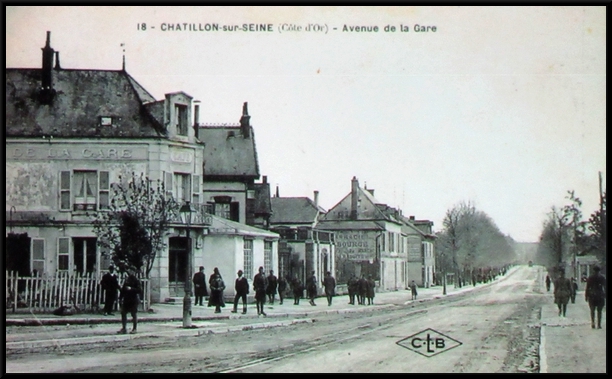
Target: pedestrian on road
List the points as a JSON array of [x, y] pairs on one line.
[[110, 285], [298, 290], [260, 283], [562, 292], [329, 283], [595, 295], [271, 287], [282, 287], [547, 283], [574, 290], [131, 292], [363, 289], [199, 285], [242, 290], [217, 286], [353, 288], [370, 290], [413, 290], [312, 288]]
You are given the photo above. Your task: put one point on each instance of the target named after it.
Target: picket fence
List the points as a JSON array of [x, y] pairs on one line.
[[46, 293]]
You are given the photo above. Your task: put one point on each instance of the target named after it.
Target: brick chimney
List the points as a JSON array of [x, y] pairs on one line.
[[264, 179], [411, 218], [47, 63], [277, 191], [316, 198], [57, 61], [245, 125], [354, 197]]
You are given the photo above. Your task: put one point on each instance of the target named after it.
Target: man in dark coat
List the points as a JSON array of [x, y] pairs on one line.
[[260, 283], [242, 290], [199, 285], [363, 289], [547, 283], [562, 292], [353, 288], [110, 285], [271, 288], [595, 295], [413, 290], [131, 292], [312, 288], [329, 283], [298, 290], [370, 291], [574, 290], [217, 286], [282, 287]]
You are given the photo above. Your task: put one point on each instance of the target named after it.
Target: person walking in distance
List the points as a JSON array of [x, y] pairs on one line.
[[282, 287], [271, 288], [312, 288], [595, 295], [370, 290], [562, 292], [547, 283], [259, 286], [413, 290], [329, 283], [363, 289], [353, 288], [574, 290], [131, 291], [199, 285], [110, 285], [217, 286], [298, 290], [242, 290]]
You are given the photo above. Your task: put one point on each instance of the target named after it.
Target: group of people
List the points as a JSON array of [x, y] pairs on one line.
[[594, 293], [361, 288]]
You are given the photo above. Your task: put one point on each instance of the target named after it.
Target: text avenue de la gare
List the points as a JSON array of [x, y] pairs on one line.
[[284, 27]]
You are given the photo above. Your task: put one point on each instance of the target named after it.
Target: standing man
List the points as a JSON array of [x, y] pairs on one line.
[[130, 299], [363, 289], [259, 286], [371, 292], [271, 288], [353, 288], [199, 285], [329, 283], [110, 285], [547, 283], [595, 295], [298, 290], [413, 290], [574, 290], [312, 288], [562, 292], [282, 287], [242, 290]]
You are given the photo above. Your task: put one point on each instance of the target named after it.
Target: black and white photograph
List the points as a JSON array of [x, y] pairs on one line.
[[305, 189]]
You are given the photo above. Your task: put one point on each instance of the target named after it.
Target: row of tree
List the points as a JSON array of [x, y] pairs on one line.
[[565, 234], [470, 241]]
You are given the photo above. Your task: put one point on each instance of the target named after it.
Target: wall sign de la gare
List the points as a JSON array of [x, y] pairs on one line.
[[73, 152]]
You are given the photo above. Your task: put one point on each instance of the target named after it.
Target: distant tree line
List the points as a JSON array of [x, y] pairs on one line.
[[471, 242]]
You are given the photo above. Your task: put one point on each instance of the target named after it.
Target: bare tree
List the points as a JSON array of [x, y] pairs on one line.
[[133, 229]]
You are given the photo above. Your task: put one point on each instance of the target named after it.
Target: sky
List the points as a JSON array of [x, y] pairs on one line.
[[500, 106]]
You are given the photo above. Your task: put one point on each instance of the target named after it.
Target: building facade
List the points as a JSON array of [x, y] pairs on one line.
[[71, 134]]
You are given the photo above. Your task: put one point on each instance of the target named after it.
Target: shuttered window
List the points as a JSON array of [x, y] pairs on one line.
[[104, 189], [63, 253], [65, 190], [38, 256], [195, 179]]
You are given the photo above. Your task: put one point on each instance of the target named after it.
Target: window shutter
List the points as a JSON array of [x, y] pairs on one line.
[[104, 186], [196, 188], [235, 211], [65, 190], [38, 256], [63, 253], [168, 183]]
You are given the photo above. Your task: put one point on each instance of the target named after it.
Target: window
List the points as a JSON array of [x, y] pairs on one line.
[[38, 256], [180, 112], [250, 194], [248, 259], [84, 254], [84, 190], [182, 187], [196, 189], [267, 256], [391, 241], [303, 233], [106, 121], [63, 253], [225, 208]]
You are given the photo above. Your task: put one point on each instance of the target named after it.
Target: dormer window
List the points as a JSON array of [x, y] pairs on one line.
[[182, 126], [106, 121]]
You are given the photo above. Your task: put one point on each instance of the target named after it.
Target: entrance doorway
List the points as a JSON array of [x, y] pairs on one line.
[[84, 254], [177, 265]]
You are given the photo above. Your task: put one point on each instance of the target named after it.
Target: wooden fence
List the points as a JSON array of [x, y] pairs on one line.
[[44, 294]]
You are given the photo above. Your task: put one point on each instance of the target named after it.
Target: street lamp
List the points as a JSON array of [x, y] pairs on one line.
[[185, 212]]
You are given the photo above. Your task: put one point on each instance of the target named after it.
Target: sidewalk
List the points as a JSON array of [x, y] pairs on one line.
[[166, 319], [568, 344]]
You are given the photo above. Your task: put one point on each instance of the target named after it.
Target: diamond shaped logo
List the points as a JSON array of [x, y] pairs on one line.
[[429, 342]]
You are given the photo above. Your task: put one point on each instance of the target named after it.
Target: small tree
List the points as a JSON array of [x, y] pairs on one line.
[[133, 228]]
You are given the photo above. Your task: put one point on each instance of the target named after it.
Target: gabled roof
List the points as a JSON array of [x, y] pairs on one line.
[[81, 98], [227, 153], [294, 210], [227, 227]]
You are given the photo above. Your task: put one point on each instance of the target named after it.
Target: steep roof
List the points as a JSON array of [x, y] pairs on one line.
[[81, 98], [294, 210], [227, 152]]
